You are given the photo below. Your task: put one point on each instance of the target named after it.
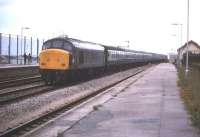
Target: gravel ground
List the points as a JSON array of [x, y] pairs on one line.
[[22, 111]]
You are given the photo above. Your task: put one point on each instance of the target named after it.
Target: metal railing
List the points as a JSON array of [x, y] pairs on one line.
[[15, 49]]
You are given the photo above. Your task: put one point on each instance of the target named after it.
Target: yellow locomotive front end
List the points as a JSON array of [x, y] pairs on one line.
[[54, 59]]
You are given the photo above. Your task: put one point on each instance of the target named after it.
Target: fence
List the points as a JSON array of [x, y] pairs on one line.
[[14, 47]]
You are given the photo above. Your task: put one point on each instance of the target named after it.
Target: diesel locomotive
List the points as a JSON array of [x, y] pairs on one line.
[[64, 57]]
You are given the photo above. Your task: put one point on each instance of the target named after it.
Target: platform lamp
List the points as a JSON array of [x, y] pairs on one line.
[[22, 30], [181, 34], [187, 58]]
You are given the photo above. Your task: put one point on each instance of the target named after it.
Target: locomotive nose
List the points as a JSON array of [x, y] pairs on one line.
[[54, 59]]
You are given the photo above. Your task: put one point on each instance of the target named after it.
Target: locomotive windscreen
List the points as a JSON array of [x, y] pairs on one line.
[[57, 44]]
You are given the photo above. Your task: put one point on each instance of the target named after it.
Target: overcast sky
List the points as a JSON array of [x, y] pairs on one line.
[[145, 23]]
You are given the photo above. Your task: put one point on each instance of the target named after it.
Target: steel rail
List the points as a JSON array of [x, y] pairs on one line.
[[19, 81]]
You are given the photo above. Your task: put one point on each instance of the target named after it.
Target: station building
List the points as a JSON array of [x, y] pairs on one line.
[[193, 48]]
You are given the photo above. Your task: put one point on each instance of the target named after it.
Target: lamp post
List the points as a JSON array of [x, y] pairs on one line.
[[174, 35], [187, 59], [181, 28], [22, 29]]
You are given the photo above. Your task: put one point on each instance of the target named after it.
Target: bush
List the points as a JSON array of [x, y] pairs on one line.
[[191, 92]]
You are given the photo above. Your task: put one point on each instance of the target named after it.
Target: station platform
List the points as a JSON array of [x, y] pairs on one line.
[[13, 66], [150, 107], [10, 71]]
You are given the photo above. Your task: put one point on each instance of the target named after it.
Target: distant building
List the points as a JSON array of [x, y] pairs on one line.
[[193, 48]]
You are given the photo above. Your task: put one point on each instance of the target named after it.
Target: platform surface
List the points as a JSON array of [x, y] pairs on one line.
[[151, 107], [13, 66]]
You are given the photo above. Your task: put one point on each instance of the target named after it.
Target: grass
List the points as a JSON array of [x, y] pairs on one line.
[[191, 92]]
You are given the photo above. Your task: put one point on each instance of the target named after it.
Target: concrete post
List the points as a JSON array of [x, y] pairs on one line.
[[0, 42], [24, 44], [9, 44], [17, 49], [37, 49], [31, 46]]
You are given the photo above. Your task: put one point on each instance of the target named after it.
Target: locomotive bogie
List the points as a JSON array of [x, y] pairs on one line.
[[53, 76]]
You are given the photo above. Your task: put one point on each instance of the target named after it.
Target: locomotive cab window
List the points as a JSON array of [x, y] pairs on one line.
[[67, 46], [57, 44], [46, 45]]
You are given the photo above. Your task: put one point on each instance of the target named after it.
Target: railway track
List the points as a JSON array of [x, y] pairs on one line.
[[30, 86], [14, 94], [25, 128], [19, 81]]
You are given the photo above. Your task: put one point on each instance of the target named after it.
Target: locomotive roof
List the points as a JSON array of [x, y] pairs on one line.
[[80, 43], [127, 50], [113, 48], [85, 44]]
